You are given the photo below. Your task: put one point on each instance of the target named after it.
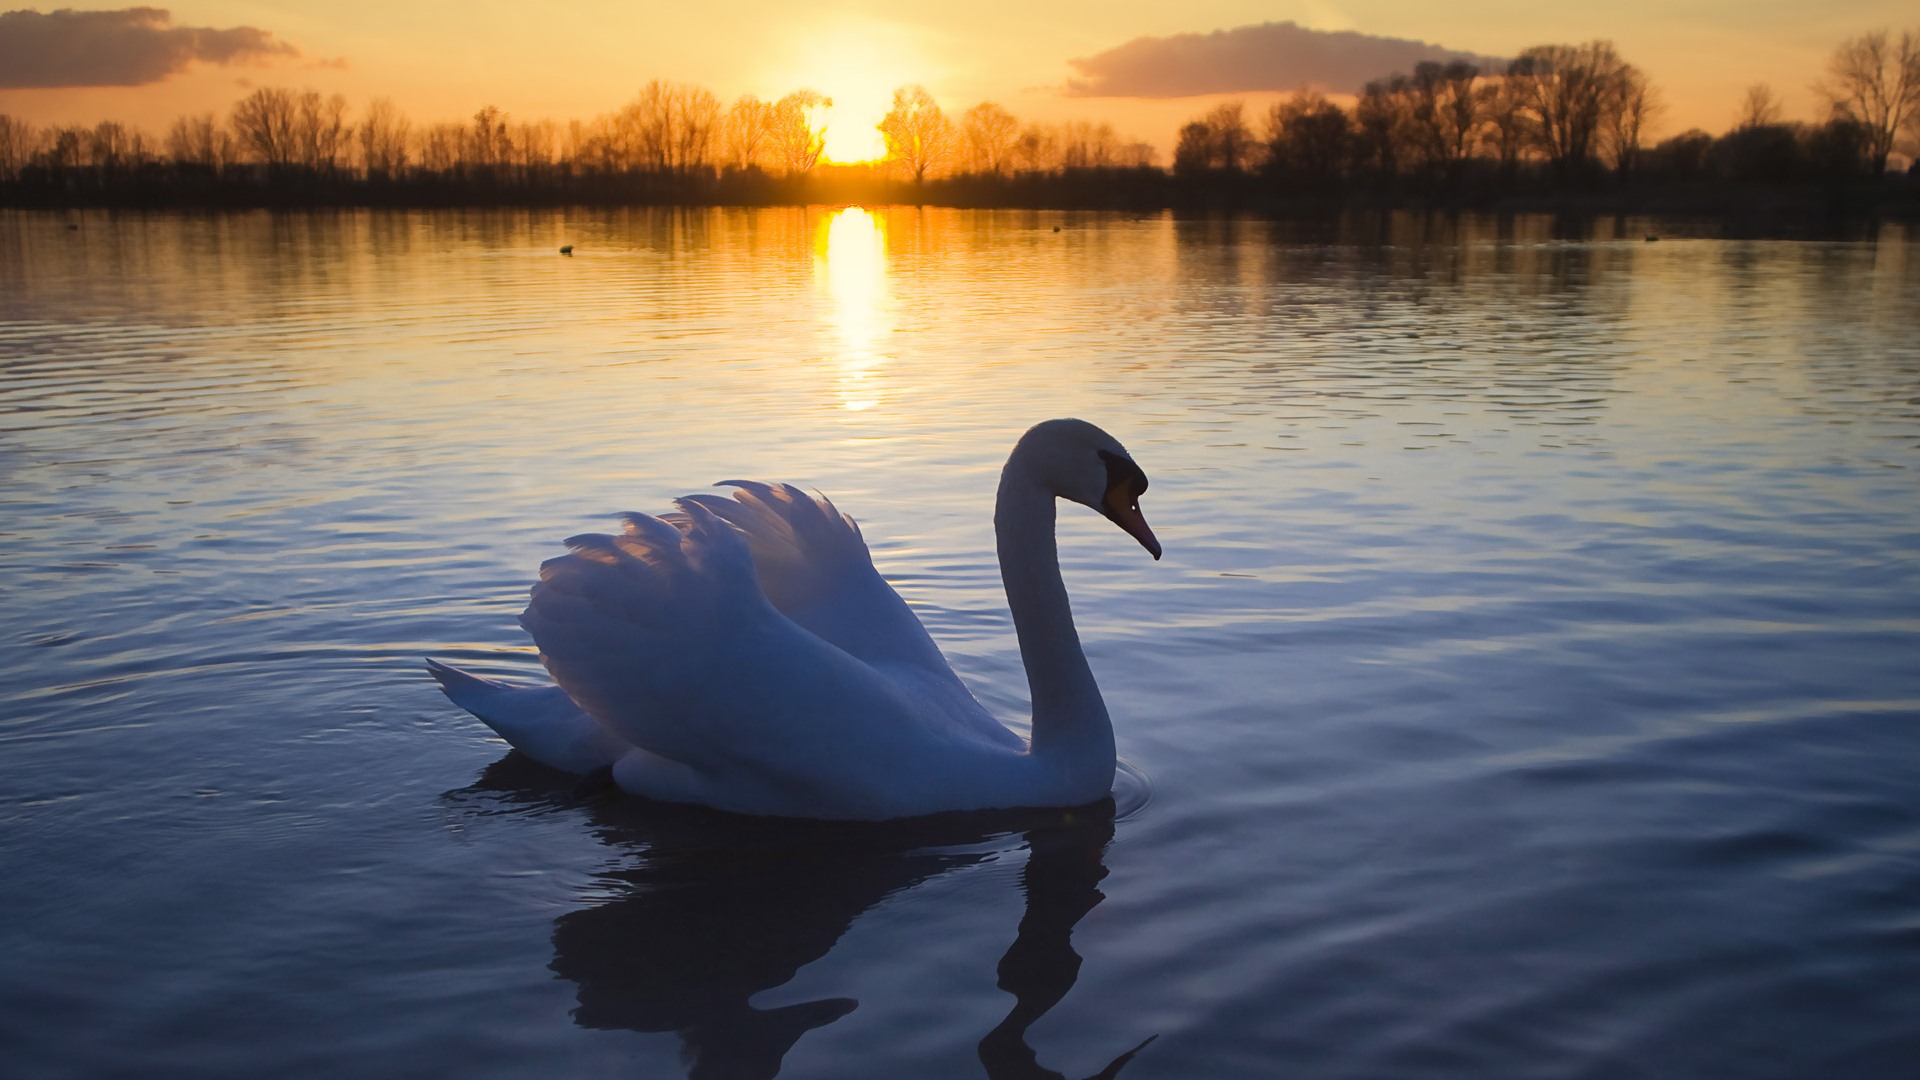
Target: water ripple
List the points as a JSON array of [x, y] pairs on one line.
[[1528, 688]]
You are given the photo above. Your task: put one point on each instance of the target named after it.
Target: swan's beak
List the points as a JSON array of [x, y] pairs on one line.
[[1122, 508]]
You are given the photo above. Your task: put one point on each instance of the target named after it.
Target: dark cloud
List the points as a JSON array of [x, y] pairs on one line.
[[1247, 59], [131, 47]]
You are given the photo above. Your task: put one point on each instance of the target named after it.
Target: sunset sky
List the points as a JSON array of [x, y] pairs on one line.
[[1043, 59]]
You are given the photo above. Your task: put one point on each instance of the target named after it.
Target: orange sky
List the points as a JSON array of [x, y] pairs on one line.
[[442, 59]]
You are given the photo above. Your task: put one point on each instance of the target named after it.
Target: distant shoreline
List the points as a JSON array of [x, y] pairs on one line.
[[1138, 190]]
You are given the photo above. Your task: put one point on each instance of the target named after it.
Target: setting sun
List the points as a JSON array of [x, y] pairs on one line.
[[851, 131], [857, 66]]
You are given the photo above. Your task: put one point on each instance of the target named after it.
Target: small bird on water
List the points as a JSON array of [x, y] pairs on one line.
[[566, 249]]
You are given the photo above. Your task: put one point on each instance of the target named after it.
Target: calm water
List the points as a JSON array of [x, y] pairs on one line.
[[1531, 688]]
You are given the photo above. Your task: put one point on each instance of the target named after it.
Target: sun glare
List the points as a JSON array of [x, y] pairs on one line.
[[857, 66], [853, 134]]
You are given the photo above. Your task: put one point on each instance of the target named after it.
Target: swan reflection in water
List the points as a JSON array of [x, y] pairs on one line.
[[720, 909]]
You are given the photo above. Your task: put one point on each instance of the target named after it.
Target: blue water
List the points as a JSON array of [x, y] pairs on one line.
[[1531, 687]]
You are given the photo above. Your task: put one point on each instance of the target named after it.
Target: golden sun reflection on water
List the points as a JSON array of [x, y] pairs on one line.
[[850, 259]]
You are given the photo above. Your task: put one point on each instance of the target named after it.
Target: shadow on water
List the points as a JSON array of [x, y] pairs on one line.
[[711, 910]]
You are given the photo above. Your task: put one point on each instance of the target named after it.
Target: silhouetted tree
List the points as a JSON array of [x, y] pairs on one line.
[[1443, 114], [200, 142], [667, 128], [16, 143], [747, 131], [798, 138], [487, 143], [697, 114], [1088, 145], [383, 136], [1758, 153], [1218, 140], [1193, 154], [1508, 130], [1231, 141], [440, 147], [576, 143], [1758, 108], [1635, 102], [917, 133], [1379, 119], [111, 147], [264, 122], [1037, 149], [644, 127], [1569, 90], [1874, 81], [63, 148], [1135, 153], [1838, 149], [1683, 157], [988, 133], [1309, 140], [320, 131], [601, 144], [531, 144]]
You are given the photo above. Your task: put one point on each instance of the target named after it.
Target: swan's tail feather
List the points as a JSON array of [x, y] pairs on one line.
[[461, 686], [539, 721]]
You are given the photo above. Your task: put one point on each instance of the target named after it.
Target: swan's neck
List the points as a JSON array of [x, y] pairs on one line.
[[1069, 718]]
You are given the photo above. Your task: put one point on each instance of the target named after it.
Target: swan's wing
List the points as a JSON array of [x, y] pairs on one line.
[[663, 634], [541, 722], [815, 569]]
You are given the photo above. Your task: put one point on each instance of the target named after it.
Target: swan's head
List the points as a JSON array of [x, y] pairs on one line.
[[1080, 462]]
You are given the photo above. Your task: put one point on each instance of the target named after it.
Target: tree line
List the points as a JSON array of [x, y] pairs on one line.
[[1555, 119], [672, 142]]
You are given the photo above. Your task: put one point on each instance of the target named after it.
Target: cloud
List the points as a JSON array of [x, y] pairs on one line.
[[131, 47], [1247, 59]]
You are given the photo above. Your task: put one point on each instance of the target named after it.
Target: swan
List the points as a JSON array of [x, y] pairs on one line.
[[744, 654]]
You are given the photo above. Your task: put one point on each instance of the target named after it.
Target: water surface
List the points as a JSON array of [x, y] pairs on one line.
[[1530, 687]]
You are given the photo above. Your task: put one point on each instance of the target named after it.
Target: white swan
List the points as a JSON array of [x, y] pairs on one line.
[[744, 654]]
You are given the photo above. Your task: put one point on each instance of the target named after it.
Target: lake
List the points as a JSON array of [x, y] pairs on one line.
[[1531, 687]]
